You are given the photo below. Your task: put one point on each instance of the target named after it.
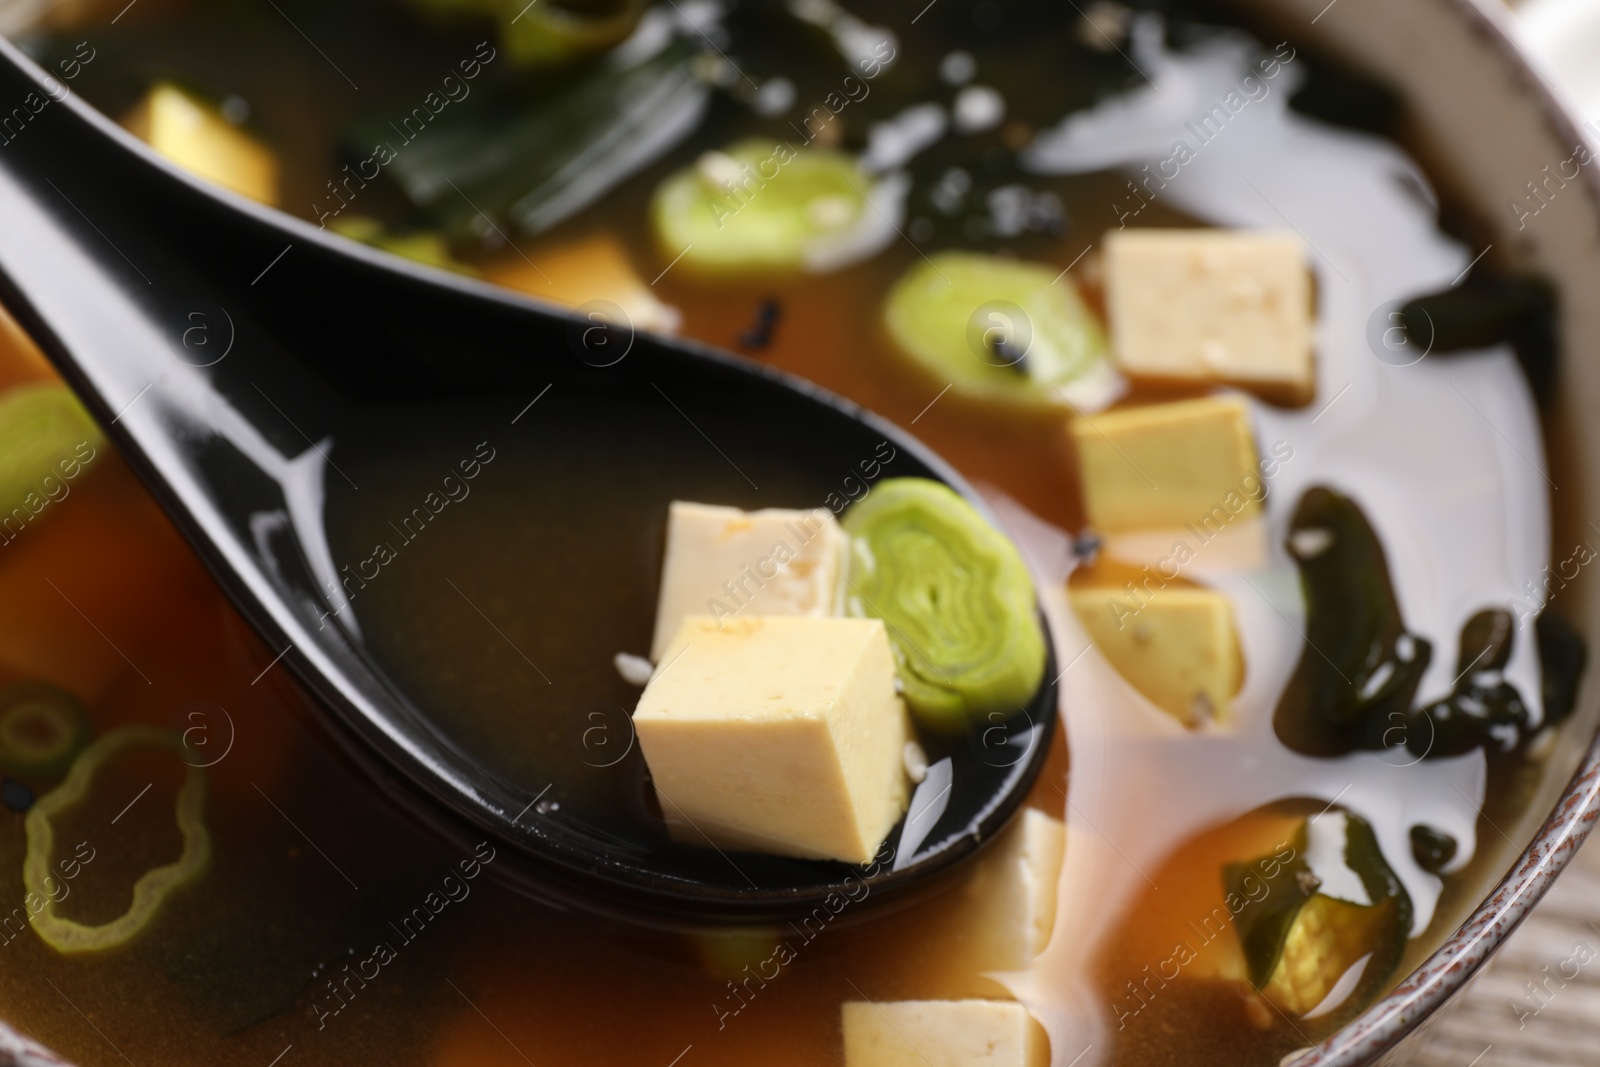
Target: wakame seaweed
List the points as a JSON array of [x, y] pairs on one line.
[[1360, 668], [1490, 309], [1355, 684], [537, 166], [1302, 928]]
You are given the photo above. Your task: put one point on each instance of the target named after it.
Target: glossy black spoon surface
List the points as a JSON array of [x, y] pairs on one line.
[[443, 504]]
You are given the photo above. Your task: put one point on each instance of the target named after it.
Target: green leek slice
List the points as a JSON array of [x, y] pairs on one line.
[[759, 204], [42, 428], [42, 728], [551, 33], [150, 891], [422, 246], [956, 597], [1002, 330]]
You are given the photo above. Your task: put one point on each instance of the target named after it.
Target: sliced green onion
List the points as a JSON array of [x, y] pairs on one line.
[[150, 891], [422, 246], [43, 430], [552, 33], [1002, 330], [42, 728], [760, 204], [956, 597]]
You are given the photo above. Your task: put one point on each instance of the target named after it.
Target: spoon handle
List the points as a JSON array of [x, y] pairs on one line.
[[74, 272], [133, 279]]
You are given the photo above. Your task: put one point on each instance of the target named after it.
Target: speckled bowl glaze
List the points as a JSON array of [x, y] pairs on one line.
[[1487, 126]]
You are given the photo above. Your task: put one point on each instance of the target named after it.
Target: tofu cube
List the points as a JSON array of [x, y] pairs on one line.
[[1211, 306], [594, 269], [195, 136], [942, 1033], [1242, 545], [1159, 466], [1176, 644], [722, 561], [777, 734], [1013, 892]]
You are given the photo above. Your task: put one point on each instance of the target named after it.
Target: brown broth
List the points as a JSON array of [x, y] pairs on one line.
[[312, 866]]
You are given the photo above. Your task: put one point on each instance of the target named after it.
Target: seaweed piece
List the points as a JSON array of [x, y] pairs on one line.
[[1489, 309], [16, 796], [759, 336], [1263, 923], [1432, 849], [1562, 657], [1486, 641], [538, 165], [1483, 706], [1333, 905], [1360, 668], [1339, 97]]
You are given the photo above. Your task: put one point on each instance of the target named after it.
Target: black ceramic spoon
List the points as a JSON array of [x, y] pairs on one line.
[[301, 405]]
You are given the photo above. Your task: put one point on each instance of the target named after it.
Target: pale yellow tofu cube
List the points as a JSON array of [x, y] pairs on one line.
[[195, 136], [581, 274], [1013, 892], [1198, 305], [942, 1033], [1212, 547], [725, 562], [777, 734], [1174, 642], [1168, 465]]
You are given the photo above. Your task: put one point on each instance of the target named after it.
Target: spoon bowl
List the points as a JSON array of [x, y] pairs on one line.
[[440, 504]]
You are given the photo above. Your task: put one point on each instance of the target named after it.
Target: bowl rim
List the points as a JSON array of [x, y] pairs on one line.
[[1418, 997]]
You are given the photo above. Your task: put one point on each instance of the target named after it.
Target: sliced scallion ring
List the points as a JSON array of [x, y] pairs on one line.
[[150, 891], [42, 729], [760, 204], [956, 598], [1002, 330], [423, 246], [553, 32], [43, 434]]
